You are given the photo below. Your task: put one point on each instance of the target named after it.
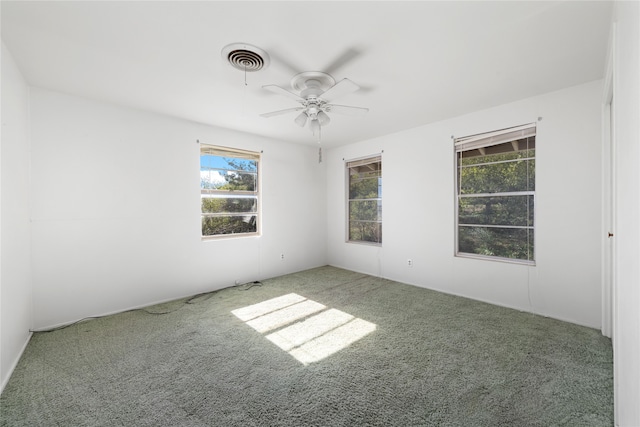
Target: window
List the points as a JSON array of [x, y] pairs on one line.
[[496, 194], [365, 200], [229, 193]]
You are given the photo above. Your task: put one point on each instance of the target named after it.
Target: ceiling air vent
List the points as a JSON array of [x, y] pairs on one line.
[[245, 57]]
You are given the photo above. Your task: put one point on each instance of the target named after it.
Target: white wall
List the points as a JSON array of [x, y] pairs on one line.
[[418, 209], [15, 241], [116, 210], [626, 99]]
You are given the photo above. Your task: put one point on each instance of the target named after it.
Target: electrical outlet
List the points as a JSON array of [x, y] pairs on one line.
[[281, 256], [409, 263]]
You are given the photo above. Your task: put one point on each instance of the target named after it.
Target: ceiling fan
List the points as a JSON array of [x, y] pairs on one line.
[[316, 90]]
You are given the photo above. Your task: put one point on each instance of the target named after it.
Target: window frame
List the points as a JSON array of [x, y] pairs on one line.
[[240, 154], [481, 141], [357, 162]]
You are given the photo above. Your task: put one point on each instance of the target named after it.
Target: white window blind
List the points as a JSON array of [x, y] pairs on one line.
[[213, 150], [494, 138], [362, 162]]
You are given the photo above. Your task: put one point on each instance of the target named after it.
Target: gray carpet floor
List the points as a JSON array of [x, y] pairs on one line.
[[323, 347]]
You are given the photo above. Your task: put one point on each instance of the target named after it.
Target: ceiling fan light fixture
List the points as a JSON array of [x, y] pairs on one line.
[[301, 120], [314, 125], [323, 118]]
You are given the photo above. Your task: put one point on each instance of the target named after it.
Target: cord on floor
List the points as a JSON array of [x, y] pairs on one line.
[[190, 300]]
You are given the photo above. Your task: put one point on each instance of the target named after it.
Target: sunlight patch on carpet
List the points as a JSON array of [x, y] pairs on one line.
[[256, 310], [304, 328]]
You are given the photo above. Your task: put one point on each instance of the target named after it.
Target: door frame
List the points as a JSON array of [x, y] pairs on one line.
[[609, 209]]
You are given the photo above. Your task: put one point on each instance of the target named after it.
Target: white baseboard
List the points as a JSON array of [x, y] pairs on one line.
[[15, 363]]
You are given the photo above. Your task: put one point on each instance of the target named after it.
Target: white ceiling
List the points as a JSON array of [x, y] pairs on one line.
[[417, 62]]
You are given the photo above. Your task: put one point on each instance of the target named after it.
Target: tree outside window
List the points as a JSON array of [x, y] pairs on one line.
[[365, 200], [228, 191], [496, 195]]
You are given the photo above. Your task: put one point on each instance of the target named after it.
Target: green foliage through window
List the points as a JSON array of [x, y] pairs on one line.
[[228, 191], [365, 200], [496, 197]]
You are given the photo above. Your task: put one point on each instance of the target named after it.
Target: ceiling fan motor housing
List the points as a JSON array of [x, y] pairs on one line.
[[312, 83]]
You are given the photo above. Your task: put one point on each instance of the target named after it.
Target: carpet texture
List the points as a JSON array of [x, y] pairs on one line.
[[323, 347]]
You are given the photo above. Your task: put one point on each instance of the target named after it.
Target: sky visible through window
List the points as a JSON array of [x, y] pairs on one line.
[[212, 169]]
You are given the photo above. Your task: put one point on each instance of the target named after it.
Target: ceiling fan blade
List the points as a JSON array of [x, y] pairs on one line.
[[339, 89], [279, 112], [281, 91], [276, 58], [347, 56], [346, 110]]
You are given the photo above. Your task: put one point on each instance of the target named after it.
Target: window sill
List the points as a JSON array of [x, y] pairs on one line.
[[356, 242], [496, 259], [228, 236]]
